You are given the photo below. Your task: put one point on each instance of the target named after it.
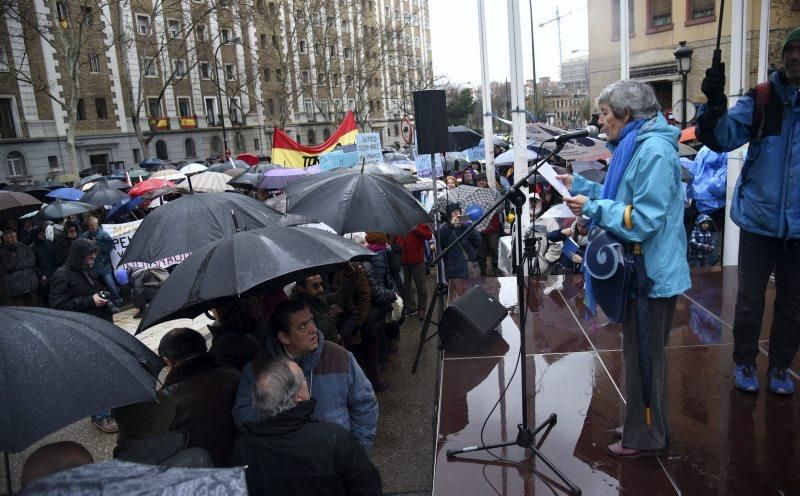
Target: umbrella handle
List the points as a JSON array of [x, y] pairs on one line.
[[235, 222], [648, 416]]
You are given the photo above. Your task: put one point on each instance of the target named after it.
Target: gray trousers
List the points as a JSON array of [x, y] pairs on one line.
[[637, 435], [417, 273]]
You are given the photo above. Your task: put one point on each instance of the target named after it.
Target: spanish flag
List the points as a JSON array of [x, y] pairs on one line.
[[290, 153]]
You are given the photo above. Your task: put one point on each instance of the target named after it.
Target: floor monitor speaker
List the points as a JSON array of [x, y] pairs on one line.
[[466, 323]]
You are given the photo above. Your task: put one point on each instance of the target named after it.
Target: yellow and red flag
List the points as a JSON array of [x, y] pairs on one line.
[[289, 153]]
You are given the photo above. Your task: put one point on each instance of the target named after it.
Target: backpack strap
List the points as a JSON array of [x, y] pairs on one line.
[[763, 91]]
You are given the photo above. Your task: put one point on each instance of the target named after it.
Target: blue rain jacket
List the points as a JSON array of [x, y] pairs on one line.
[[767, 196], [652, 184], [710, 171]]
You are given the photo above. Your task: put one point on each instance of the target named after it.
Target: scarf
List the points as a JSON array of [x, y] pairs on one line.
[[620, 160]]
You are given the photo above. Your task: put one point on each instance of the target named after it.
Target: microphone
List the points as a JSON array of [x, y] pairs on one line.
[[591, 131]]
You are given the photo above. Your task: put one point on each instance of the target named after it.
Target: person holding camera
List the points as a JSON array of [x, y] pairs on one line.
[[461, 261], [75, 287]]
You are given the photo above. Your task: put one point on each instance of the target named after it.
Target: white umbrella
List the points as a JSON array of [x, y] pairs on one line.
[[207, 182], [507, 157], [193, 168], [169, 175]]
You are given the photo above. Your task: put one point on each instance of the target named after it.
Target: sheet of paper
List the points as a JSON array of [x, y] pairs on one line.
[[547, 172]]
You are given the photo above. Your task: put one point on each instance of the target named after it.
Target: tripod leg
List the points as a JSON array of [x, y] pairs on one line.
[[573, 489], [423, 333]]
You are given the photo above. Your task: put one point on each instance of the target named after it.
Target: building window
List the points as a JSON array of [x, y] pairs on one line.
[[659, 16], [304, 77], [274, 42], [52, 163], [335, 78], [308, 107], [271, 8], [312, 137], [16, 164], [299, 139], [347, 53], [184, 107], [149, 65], [4, 67], [179, 67], [211, 110], [396, 130], [142, 24], [216, 145], [100, 107], [94, 63], [699, 11], [201, 32], [154, 107], [263, 39], [239, 139], [326, 133], [303, 46], [161, 150], [615, 19], [270, 106], [235, 108], [137, 155], [260, 6], [345, 26], [331, 50], [267, 73], [189, 148], [278, 75], [173, 28], [225, 34], [86, 16], [230, 72], [81, 110], [205, 70]]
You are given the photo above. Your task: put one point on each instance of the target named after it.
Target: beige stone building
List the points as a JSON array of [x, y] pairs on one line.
[[167, 72], [657, 27]]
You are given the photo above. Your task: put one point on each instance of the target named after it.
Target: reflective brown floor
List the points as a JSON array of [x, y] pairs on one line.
[[723, 441]]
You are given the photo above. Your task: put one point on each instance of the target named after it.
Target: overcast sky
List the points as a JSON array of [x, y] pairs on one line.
[[456, 46]]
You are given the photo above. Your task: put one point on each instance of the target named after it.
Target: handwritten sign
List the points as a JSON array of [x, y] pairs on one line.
[[423, 164], [369, 148]]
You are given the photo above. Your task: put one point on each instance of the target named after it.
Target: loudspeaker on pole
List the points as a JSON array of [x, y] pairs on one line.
[[430, 117]]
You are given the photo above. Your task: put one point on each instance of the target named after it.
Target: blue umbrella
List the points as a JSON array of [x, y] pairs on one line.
[[124, 206], [66, 194], [149, 163]]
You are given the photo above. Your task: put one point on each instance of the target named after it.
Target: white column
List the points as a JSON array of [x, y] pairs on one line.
[[244, 96], [518, 104], [737, 66], [198, 105], [763, 41], [51, 69], [624, 41], [114, 69], [21, 60], [160, 22], [488, 134]]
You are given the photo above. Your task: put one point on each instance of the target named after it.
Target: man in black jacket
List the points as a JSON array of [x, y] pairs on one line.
[[289, 452], [21, 275], [74, 286]]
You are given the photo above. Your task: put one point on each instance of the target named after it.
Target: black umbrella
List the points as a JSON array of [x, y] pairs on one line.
[[17, 203], [396, 173], [117, 184], [352, 201], [161, 167], [262, 168], [36, 191], [246, 180], [58, 367], [228, 165], [248, 262], [60, 209], [101, 195], [181, 226], [461, 138], [641, 285], [52, 184]]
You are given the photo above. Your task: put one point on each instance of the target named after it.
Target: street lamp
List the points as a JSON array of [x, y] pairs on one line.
[[234, 40], [683, 56]]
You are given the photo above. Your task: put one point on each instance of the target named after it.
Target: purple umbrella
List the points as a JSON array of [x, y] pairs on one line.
[[279, 178]]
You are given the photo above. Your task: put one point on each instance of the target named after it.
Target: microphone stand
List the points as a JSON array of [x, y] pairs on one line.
[[525, 436]]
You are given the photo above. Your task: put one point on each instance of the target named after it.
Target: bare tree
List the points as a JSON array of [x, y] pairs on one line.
[[70, 31], [167, 48]]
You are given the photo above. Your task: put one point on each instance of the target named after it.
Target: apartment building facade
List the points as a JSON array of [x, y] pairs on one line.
[[159, 77], [656, 28]]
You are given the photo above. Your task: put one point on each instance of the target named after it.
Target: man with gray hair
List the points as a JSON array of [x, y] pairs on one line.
[[289, 452]]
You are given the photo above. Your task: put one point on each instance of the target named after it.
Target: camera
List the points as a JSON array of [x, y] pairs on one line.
[[104, 295], [530, 243]]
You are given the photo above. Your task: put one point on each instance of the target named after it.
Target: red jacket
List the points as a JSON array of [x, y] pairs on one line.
[[413, 244]]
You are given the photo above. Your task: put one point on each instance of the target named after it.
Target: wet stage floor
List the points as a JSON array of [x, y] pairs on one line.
[[723, 441]]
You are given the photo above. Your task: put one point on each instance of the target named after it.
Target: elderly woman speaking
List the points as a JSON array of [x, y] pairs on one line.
[[641, 202]]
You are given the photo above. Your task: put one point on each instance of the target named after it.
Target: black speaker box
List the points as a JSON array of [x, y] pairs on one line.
[[430, 119], [466, 324]]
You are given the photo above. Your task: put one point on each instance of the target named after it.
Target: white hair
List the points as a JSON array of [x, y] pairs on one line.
[[629, 95], [358, 237], [275, 388]]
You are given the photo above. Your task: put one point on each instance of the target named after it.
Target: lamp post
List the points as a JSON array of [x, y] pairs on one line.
[[683, 57], [225, 151]]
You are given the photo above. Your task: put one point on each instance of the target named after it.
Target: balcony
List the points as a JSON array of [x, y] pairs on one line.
[[188, 122], [159, 123]]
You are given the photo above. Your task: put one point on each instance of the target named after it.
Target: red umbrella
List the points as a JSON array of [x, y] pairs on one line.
[[149, 185], [249, 158]]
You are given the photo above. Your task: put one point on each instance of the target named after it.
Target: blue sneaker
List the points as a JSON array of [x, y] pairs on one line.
[[745, 376], [780, 382]]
